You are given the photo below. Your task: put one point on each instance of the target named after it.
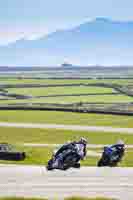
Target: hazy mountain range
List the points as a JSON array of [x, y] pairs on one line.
[[98, 42]]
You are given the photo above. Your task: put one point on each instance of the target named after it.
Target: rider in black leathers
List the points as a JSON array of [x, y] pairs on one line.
[[71, 146], [112, 155], [119, 149]]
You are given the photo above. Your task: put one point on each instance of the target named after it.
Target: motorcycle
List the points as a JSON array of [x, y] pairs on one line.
[[66, 159], [110, 157]]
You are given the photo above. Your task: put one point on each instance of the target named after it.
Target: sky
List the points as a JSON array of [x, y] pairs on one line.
[[32, 19]]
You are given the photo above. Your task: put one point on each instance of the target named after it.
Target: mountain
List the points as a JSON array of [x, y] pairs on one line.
[[101, 41]]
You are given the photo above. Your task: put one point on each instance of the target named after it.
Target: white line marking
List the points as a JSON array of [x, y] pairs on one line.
[[69, 127], [130, 146]]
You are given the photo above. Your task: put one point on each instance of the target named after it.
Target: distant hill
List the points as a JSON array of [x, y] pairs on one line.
[[98, 42]]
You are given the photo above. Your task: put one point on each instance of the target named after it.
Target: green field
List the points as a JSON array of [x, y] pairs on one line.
[[95, 94], [40, 155], [83, 198], [53, 136], [70, 198], [72, 99], [66, 118], [20, 198], [61, 90], [61, 81]]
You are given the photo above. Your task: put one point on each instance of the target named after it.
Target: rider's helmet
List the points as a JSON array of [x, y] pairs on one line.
[[83, 141], [120, 142]]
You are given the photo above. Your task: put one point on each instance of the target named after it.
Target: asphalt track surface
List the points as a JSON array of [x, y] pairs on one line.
[[36, 181], [68, 127]]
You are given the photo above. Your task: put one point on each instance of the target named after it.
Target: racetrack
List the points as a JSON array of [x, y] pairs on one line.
[[35, 181], [68, 127]]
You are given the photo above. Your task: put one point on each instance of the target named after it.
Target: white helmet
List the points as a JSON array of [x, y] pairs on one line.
[[121, 142], [83, 140]]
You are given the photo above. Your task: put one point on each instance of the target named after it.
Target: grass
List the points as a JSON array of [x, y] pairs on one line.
[[67, 90], [66, 118], [72, 99], [127, 160], [85, 198], [65, 81], [41, 155], [71, 198], [44, 81], [60, 90], [20, 198], [53, 136], [34, 156]]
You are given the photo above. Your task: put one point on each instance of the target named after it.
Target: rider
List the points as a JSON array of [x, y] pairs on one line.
[[118, 148], [72, 145]]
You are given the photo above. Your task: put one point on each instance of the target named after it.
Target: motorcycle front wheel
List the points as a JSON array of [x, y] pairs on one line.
[[49, 165]]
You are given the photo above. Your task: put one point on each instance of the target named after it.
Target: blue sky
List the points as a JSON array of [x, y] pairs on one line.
[[35, 18]]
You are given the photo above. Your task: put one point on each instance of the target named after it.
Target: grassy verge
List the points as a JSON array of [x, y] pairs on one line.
[[41, 155], [84, 198], [53, 136], [61, 90], [35, 156], [65, 81], [71, 198], [20, 198], [99, 98], [66, 118]]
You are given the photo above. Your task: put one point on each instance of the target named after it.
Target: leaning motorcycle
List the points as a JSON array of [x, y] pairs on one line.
[[67, 159], [110, 157]]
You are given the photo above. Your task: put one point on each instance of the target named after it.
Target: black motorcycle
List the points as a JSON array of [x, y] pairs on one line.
[[111, 157], [66, 159]]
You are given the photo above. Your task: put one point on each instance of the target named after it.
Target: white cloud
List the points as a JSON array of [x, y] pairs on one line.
[[9, 35]]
